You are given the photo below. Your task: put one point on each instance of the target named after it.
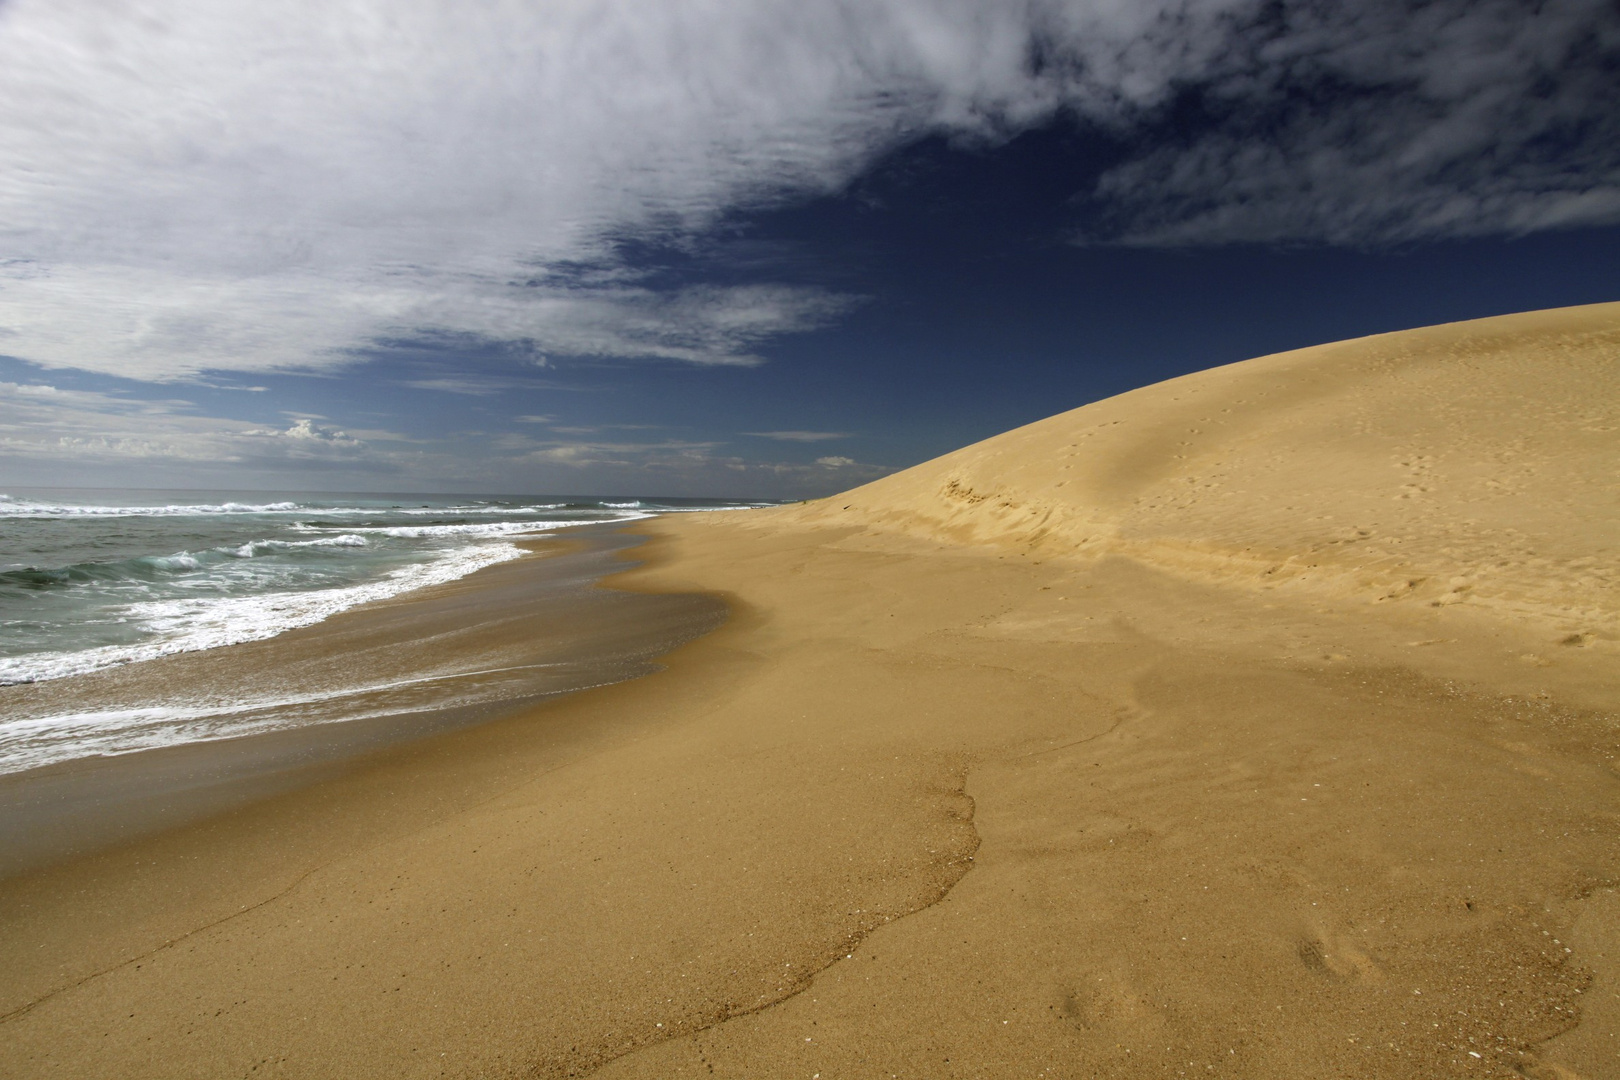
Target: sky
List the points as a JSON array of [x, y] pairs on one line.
[[742, 248]]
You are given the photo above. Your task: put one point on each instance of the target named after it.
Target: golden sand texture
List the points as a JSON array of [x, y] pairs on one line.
[[1474, 462], [1100, 749]]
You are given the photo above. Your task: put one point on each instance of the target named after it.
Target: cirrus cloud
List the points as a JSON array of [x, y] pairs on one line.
[[213, 186]]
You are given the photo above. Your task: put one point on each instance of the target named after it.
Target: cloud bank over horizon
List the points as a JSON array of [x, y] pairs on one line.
[[200, 187]]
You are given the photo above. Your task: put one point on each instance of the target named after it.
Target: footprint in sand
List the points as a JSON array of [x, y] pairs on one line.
[[1108, 1006], [1547, 1070], [1338, 960]]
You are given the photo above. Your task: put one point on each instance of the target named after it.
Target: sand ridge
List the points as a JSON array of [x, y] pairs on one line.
[[963, 790], [1471, 463]]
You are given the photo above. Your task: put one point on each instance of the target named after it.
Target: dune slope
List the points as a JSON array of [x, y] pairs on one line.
[[1475, 462]]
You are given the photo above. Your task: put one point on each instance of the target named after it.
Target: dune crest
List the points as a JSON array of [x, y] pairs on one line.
[[1470, 463]]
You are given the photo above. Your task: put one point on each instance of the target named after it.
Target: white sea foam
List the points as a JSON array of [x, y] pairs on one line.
[[194, 623], [713, 509], [184, 560], [491, 528], [249, 578], [543, 508], [14, 507], [10, 507], [33, 741], [259, 547]]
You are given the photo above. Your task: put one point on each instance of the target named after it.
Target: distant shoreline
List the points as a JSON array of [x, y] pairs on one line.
[[91, 580], [77, 805]]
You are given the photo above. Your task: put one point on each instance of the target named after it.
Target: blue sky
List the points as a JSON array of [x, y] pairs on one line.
[[746, 249]]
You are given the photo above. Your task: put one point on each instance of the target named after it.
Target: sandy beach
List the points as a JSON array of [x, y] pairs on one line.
[[430, 661], [1259, 723]]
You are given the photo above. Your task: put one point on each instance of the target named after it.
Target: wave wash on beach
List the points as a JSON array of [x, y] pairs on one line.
[[95, 580]]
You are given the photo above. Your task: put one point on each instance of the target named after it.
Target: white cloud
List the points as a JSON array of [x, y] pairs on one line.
[[254, 187], [471, 387], [42, 423], [799, 436], [53, 435], [659, 455], [675, 466], [159, 322], [304, 430], [653, 455]]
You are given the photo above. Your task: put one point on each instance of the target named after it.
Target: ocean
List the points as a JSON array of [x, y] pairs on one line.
[[92, 580]]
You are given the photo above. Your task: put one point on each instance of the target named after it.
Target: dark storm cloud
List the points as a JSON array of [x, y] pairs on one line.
[[1377, 122]]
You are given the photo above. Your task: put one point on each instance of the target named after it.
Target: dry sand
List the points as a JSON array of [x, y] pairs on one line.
[[1260, 723]]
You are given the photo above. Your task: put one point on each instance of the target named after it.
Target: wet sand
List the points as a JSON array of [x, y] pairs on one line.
[[459, 654], [1256, 724]]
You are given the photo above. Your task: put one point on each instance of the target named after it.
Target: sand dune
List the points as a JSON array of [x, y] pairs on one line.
[[1476, 463], [1259, 723]]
